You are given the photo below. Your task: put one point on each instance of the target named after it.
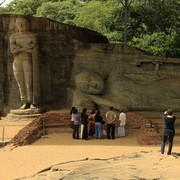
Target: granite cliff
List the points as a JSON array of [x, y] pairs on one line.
[[80, 67]]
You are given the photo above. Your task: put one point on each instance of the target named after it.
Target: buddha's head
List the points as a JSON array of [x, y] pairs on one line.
[[89, 82], [22, 24]]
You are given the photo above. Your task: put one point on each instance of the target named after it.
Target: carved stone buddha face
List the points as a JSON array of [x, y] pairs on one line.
[[22, 25], [90, 83]]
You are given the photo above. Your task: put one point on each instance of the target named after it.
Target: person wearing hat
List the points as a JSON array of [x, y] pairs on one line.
[[169, 130]]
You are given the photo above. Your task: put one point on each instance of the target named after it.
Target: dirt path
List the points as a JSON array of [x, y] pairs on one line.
[[57, 148]]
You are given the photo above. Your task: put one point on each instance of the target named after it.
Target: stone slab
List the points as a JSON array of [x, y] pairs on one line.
[[25, 117]]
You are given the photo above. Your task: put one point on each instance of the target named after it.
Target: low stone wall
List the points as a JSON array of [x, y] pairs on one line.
[[148, 136], [62, 119], [34, 130]]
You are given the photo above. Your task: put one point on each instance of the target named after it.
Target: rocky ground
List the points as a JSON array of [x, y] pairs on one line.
[[57, 156], [144, 165]]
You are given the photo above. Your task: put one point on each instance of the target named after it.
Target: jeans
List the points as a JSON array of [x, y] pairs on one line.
[[76, 132], [98, 130], [164, 139]]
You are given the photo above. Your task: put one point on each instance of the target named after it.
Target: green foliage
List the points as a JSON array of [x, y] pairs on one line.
[[26, 7], [152, 25], [64, 11], [91, 19], [159, 44], [85, 1], [3, 10], [157, 15], [115, 36], [98, 16]]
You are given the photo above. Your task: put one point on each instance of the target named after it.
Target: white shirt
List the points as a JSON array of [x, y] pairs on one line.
[[122, 118]]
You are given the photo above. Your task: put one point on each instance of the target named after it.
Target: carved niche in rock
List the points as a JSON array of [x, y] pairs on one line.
[[80, 66], [133, 80], [55, 44], [24, 47]]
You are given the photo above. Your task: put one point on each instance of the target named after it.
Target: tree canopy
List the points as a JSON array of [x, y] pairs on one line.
[[152, 25]]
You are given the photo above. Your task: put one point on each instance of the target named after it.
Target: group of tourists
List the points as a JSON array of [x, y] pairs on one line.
[[95, 124], [85, 126]]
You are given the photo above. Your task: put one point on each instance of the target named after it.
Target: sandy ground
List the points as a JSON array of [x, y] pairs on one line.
[[56, 148]]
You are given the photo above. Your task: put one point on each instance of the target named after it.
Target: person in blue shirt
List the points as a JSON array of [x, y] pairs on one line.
[[169, 130]]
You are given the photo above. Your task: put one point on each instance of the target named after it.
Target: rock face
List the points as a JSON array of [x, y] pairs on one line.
[[56, 42], [118, 75], [133, 80]]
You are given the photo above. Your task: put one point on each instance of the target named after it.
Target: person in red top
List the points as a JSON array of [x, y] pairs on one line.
[[92, 123]]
